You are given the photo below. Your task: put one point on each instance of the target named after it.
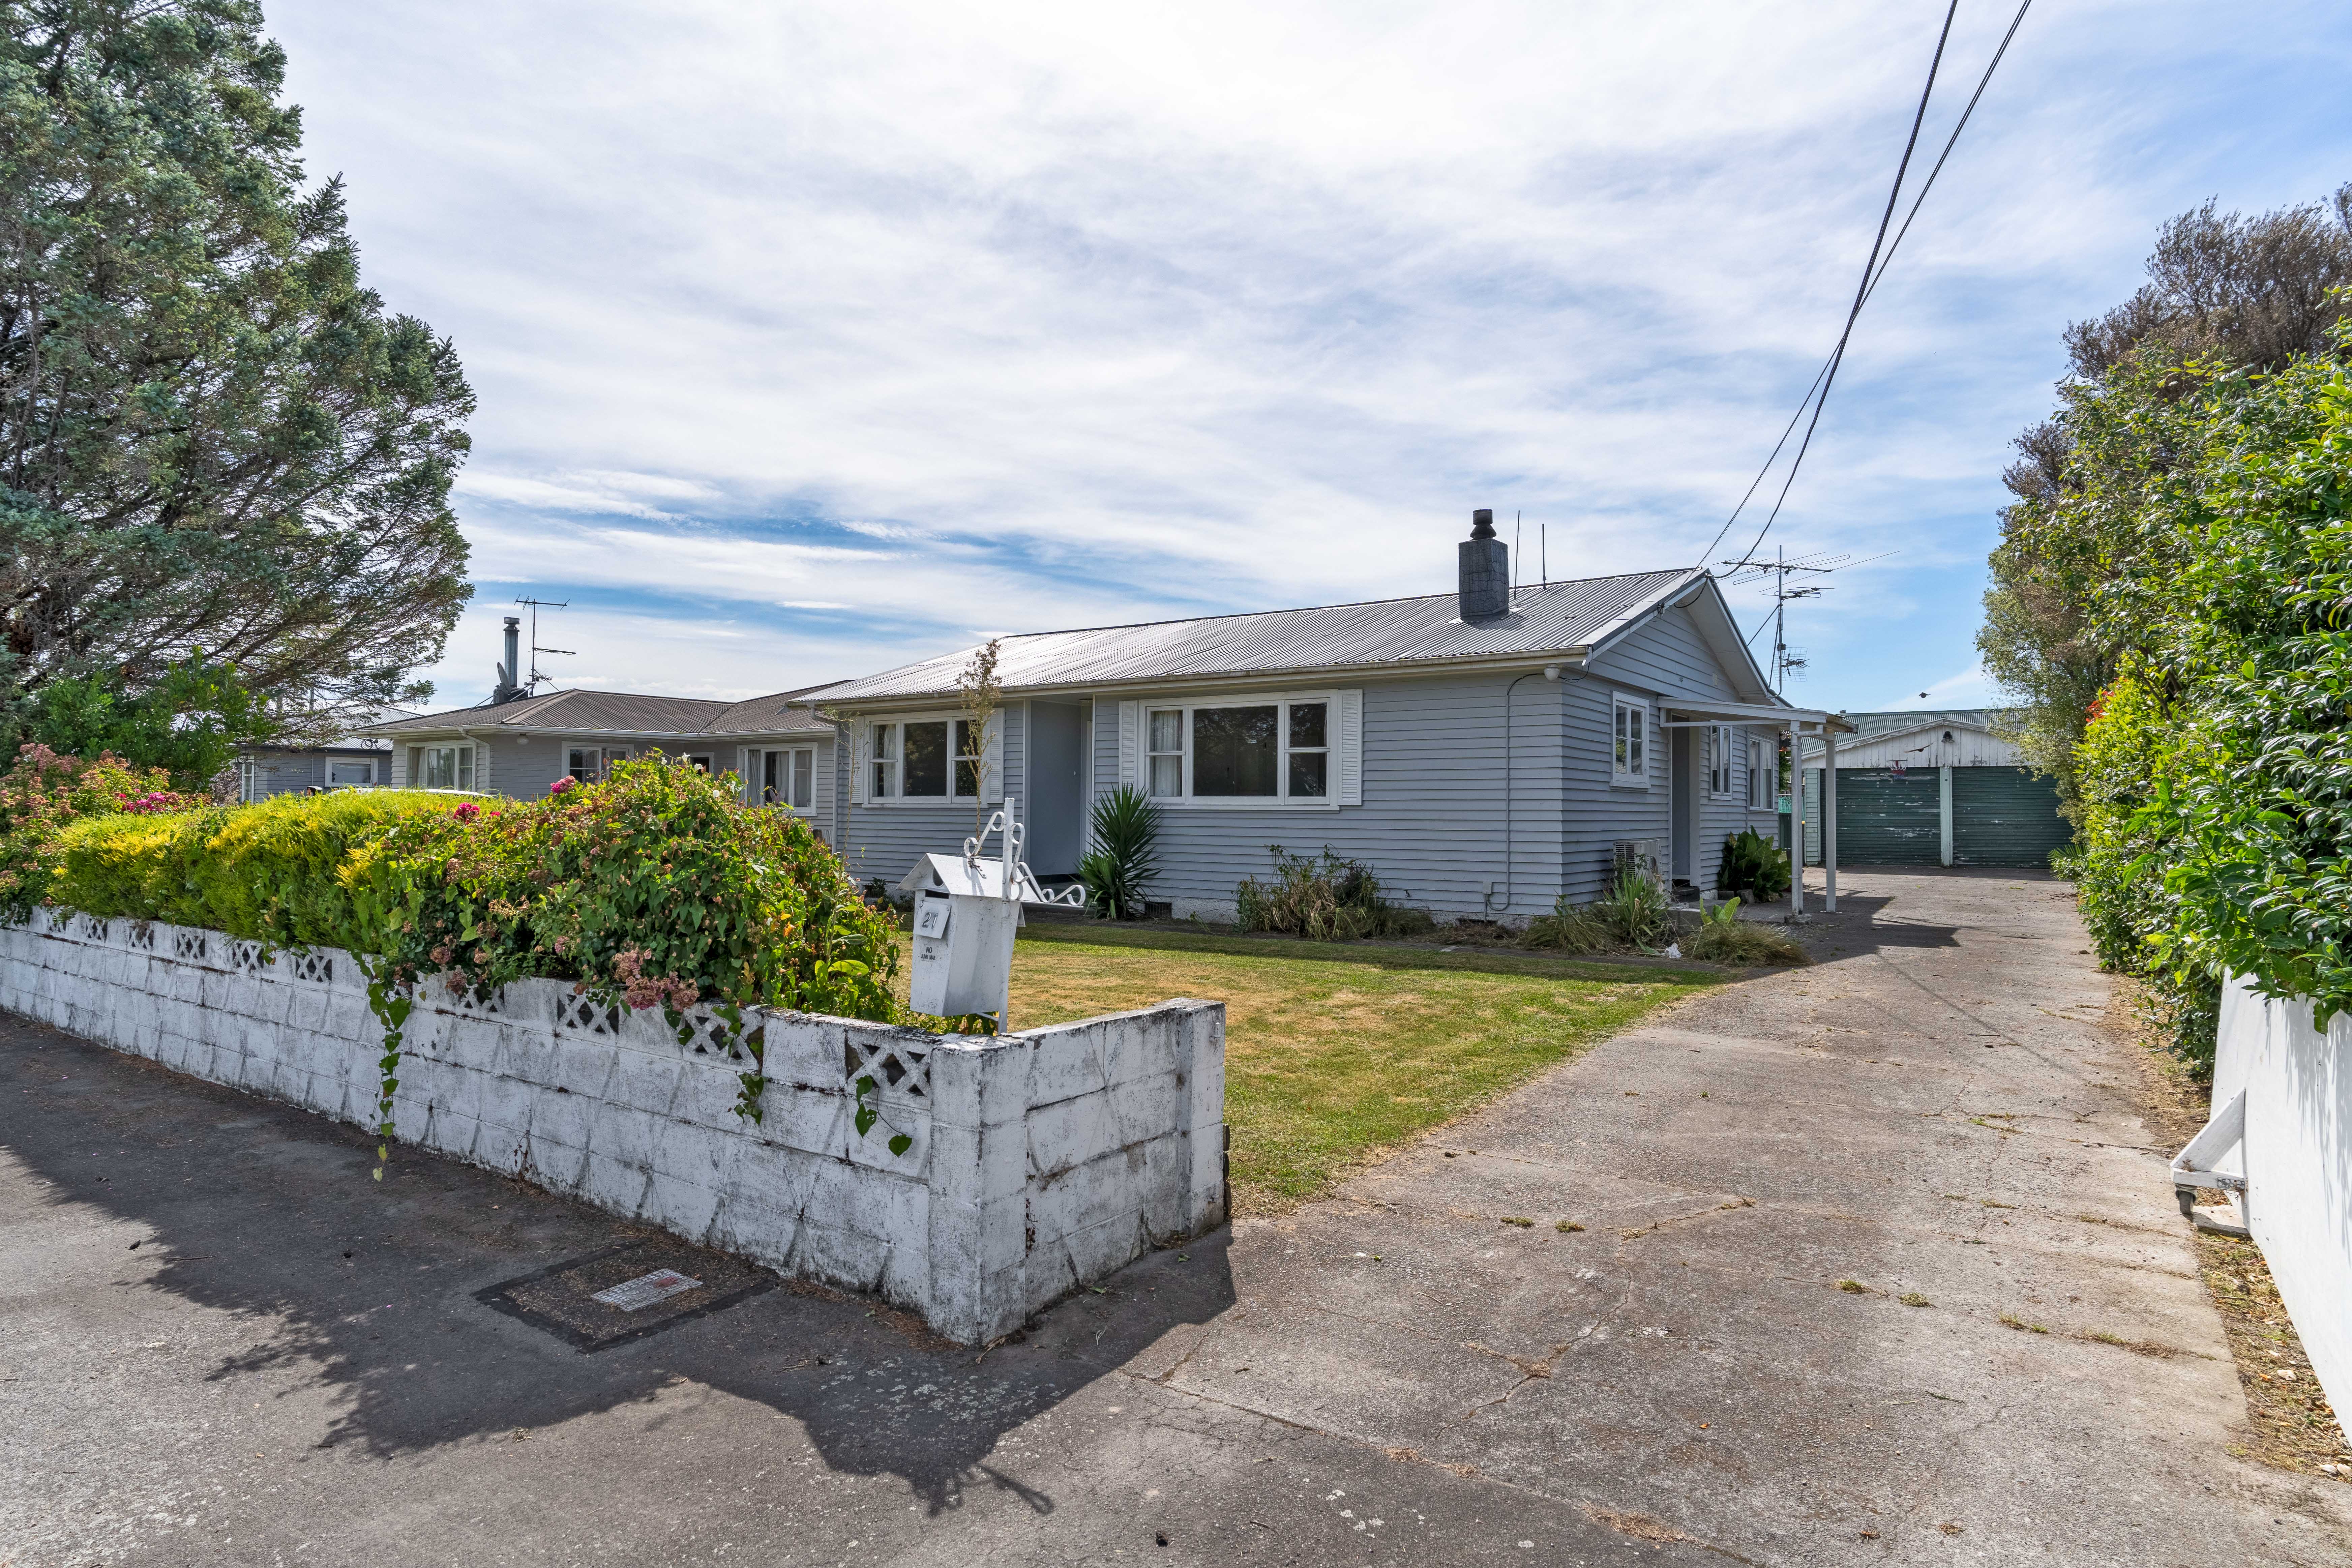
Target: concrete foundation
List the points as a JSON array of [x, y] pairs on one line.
[[1037, 1162]]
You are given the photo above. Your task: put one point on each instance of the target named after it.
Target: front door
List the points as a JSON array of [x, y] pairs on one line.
[[1682, 774], [1055, 811]]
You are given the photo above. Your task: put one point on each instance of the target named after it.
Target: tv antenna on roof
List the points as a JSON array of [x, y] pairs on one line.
[[1749, 569], [531, 684]]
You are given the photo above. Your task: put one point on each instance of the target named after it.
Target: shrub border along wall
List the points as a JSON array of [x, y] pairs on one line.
[[1037, 1162]]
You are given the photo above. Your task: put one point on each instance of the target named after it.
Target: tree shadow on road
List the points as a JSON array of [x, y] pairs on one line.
[[267, 1212]]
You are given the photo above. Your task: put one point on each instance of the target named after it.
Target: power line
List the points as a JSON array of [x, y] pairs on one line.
[[1861, 290], [1870, 277]]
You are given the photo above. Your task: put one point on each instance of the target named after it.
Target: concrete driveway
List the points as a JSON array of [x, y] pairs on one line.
[[221, 1342]]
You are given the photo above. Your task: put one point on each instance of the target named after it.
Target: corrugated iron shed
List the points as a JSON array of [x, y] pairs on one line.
[[1547, 618]]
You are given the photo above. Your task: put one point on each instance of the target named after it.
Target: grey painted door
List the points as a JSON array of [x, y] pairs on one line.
[[2004, 817], [1055, 810]]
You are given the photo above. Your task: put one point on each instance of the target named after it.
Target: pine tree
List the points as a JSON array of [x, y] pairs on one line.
[[214, 444]]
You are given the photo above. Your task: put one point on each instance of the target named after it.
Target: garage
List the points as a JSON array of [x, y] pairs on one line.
[[1934, 789]]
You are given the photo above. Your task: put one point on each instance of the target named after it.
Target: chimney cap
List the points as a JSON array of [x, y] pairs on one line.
[[1482, 523]]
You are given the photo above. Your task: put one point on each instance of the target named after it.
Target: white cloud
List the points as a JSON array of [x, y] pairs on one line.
[[1081, 312]]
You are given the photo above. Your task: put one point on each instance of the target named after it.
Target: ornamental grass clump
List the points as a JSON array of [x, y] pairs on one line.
[[1323, 897], [1722, 937]]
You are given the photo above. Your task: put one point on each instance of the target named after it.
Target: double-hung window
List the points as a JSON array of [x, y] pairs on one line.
[[593, 764], [787, 777], [1718, 759], [926, 759], [1274, 750], [1629, 741], [443, 767], [1761, 776]]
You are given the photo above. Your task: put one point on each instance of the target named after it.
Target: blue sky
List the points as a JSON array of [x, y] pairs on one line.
[[813, 339]]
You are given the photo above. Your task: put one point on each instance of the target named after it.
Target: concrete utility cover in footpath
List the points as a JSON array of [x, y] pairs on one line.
[[626, 1293]]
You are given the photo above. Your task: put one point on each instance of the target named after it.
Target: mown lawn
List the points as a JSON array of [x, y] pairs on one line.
[[1336, 1052]]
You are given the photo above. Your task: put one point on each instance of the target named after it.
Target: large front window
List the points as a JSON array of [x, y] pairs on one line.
[[593, 764], [926, 759], [788, 778], [444, 767], [1270, 751]]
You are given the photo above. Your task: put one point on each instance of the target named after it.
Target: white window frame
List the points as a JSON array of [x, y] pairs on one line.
[[1761, 775], [756, 786], [1280, 701], [877, 759], [461, 763], [368, 764], [1718, 759], [606, 757], [1629, 764]]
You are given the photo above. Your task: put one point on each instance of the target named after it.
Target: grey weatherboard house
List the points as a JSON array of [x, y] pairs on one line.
[[1487, 751], [518, 744]]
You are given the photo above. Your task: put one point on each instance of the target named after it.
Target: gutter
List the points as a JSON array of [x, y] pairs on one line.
[[1529, 662]]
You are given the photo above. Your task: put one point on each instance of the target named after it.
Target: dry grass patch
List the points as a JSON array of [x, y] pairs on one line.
[[1337, 1052]]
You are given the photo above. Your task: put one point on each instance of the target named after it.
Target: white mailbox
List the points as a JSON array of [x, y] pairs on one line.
[[963, 953], [966, 911]]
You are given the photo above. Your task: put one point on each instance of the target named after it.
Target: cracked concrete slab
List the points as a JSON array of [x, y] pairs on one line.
[[220, 1343]]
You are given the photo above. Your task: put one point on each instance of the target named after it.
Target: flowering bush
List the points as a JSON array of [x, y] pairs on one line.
[[655, 889], [46, 792]]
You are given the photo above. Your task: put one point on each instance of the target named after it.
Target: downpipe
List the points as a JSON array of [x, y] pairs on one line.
[[1549, 672]]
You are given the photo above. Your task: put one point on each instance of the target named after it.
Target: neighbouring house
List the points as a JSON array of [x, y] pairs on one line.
[[355, 761], [1934, 788], [1487, 751], [518, 745]]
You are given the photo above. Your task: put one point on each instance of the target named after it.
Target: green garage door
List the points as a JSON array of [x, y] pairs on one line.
[[2003, 817], [1884, 818], [1888, 819]]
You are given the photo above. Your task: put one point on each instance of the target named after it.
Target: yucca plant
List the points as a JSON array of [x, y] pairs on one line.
[[1124, 858], [1634, 910]]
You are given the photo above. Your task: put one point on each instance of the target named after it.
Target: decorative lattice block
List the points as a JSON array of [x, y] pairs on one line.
[[895, 1067], [583, 1014], [706, 1033]]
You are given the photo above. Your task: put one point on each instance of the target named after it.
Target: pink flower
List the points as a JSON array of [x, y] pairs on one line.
[[559, 785], [467, 811]]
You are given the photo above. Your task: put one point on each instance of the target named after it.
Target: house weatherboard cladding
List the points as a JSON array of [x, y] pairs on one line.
[[776, 746], [1465, 756]]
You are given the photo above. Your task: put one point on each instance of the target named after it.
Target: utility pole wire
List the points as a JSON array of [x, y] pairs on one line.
[[1871, 279], [1861, 290]]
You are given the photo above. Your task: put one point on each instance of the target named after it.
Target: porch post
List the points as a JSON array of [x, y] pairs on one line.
[[1829, 812], [1796, 823]]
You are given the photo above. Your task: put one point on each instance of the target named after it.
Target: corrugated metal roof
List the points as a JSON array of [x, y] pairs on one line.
[[625, 714], [1551, 617], [1881, 723]]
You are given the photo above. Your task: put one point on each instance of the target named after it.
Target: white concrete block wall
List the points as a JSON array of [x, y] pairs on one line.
[[1039, 1161], [2296, 1157]]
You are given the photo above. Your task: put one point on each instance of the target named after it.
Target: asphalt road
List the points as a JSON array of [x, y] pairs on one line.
[[220, 1343]]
